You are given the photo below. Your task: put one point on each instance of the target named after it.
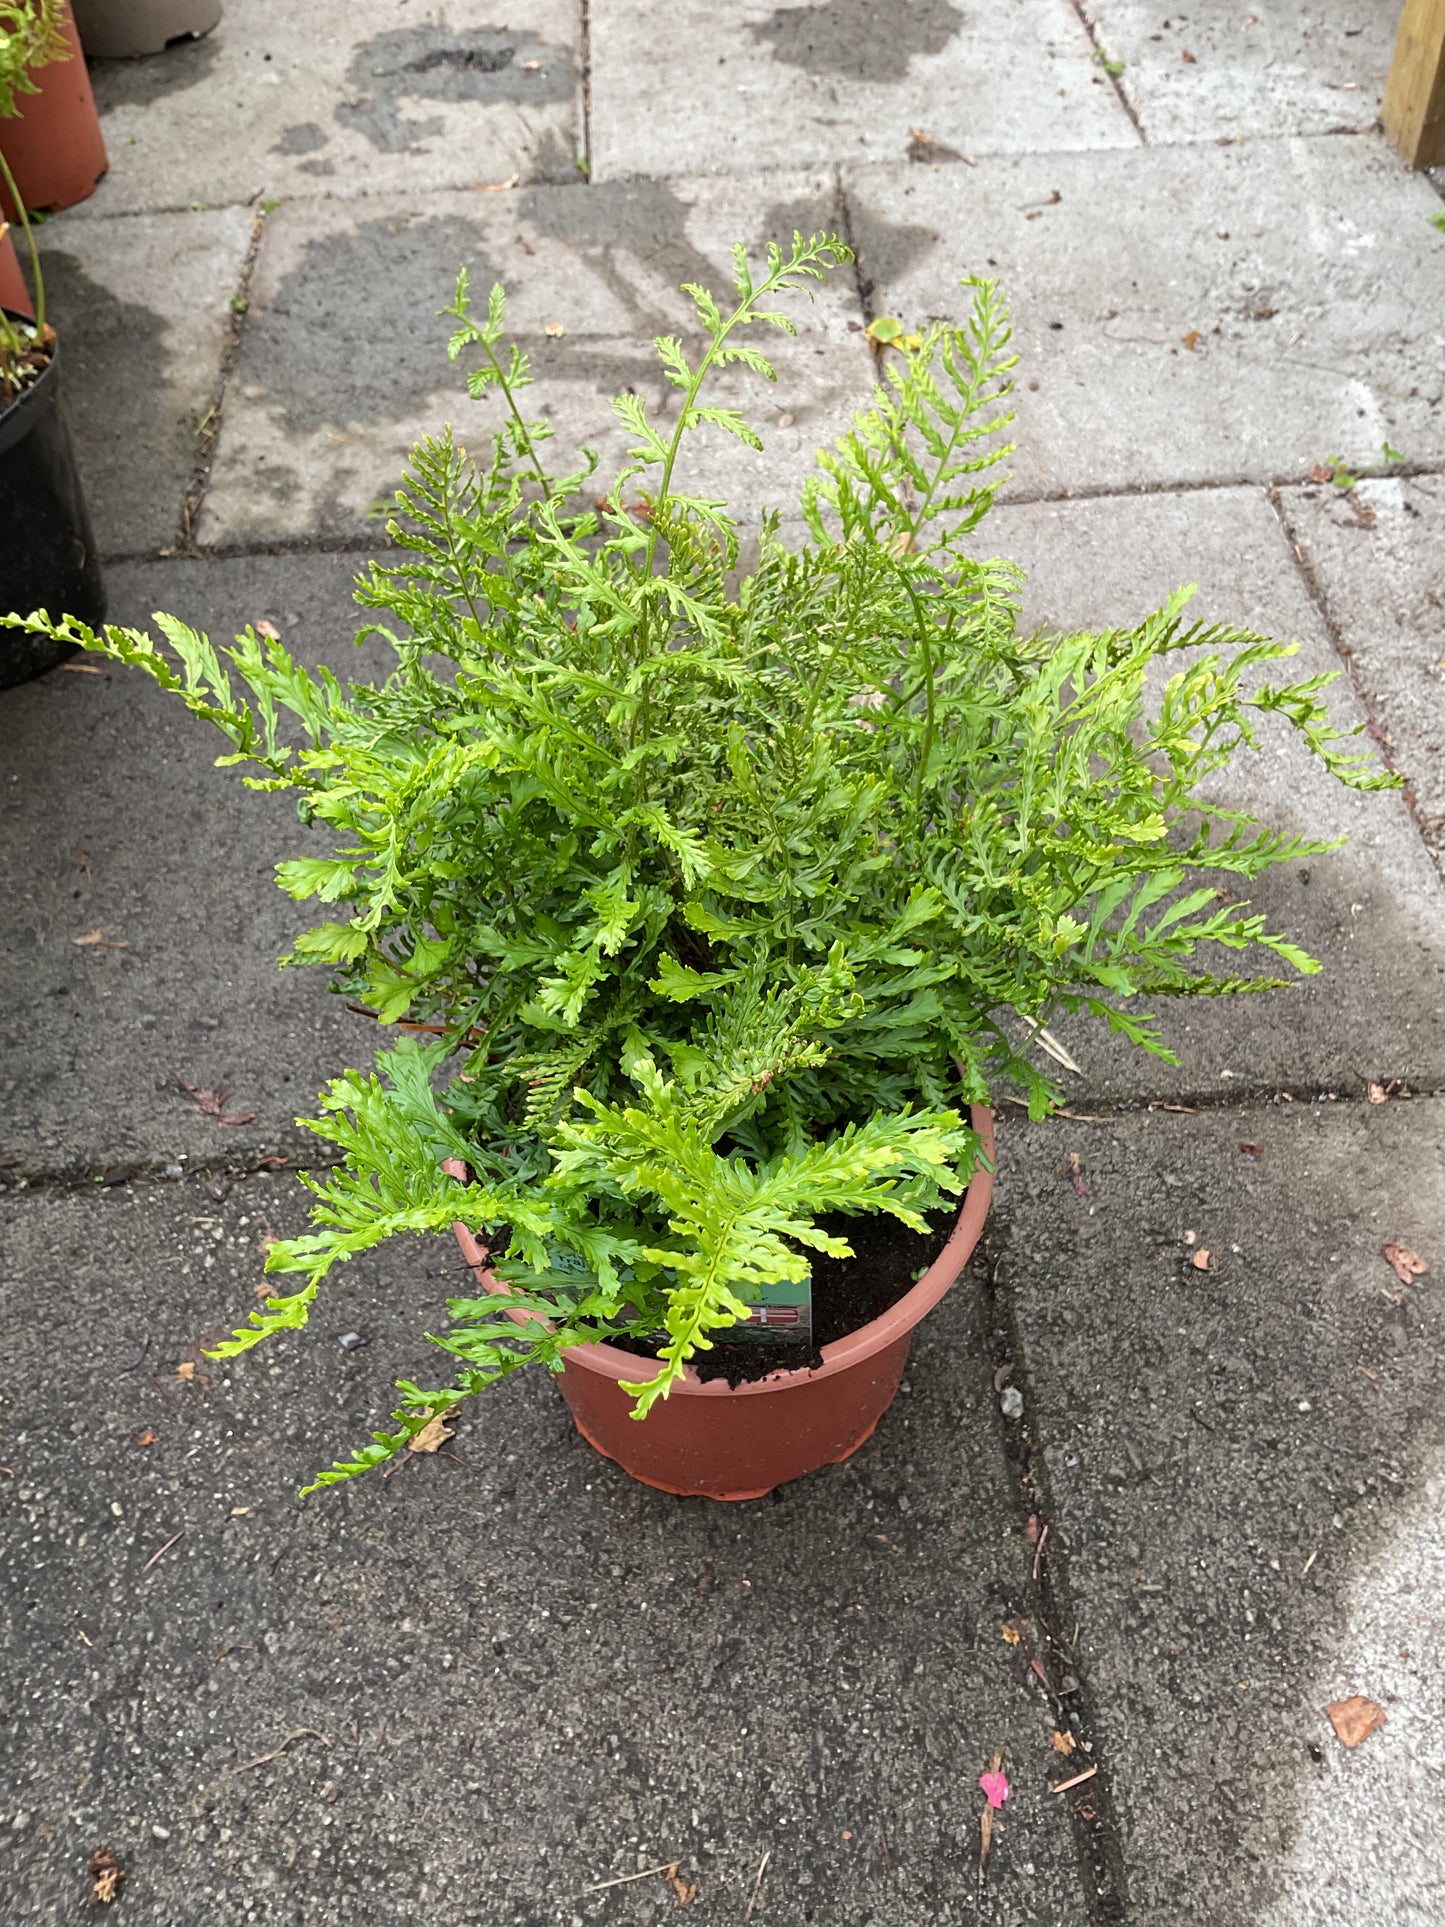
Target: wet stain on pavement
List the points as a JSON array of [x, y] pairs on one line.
[[429, 63], [353, 333], [306, 137], [860, 39], [886, 250], [617, 226]]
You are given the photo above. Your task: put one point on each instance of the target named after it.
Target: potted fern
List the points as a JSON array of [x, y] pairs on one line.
[[707, 908], [47, 553]]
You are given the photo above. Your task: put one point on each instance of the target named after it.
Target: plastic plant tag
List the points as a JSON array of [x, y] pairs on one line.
[[785, 1311]]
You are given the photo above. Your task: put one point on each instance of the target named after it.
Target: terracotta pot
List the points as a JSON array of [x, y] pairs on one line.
[[14, 290], [111, 29], [718, 1441], [54, 144]]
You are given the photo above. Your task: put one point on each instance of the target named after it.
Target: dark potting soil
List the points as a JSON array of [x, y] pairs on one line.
[[848, 1293], [19, 372]]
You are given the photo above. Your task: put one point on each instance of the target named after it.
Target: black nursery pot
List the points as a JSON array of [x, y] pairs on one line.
[[47, 548]]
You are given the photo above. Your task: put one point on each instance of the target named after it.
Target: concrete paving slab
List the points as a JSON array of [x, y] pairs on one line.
[[1211, 314], [285, 100], [343, 368], [1218, 71], [1379, 556], [117, 822], [143, 312], [1373, 913], [507, 1672], [1241, 1461], [756, 85]]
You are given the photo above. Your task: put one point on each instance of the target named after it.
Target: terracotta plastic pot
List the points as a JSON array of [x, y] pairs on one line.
[[53, 144], [718, 1441], [116, 29], [14, 292]]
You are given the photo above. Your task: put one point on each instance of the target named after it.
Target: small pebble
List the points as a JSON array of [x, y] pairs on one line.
[[160, 1833], [349, 1341], [1011, 1402], [172, 1171]]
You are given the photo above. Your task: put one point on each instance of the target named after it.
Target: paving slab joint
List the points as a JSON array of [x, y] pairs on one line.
[[862, 280], [1316, 590], [1115, 80], [585, 38], [347, 543], [1045, 1584], [209, 426], [141, 1173], [1238, 1097]]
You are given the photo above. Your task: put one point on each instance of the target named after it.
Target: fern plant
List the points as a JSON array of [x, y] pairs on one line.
[[721, 892]]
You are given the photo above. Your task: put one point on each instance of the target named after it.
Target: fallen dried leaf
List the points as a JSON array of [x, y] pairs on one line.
[[212, 1104], [1319, 473], [995, 1787], [556, 329], [186, 1371], [1074, 1171], [1191, 340], [1011, 1632], [1406, 1265], [106, 1875], [686, 1894], [923, 147], [1200, 1260], [1252, 1150], [1062, 1742], [1189, 57], [1031, 1529], [985, 1820], [269, 630], [1355, 1719], [147, 1437], [433, 1436]]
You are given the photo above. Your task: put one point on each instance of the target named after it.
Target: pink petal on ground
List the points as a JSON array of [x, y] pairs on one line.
[[995, 1785]]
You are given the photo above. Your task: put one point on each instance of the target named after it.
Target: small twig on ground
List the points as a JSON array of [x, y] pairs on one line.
[[1078, 1780], [887, 1856], [758, 1883], [163, 1551], [1039, 1553], [1305, 1568], [601, 1886], [261, 1759]]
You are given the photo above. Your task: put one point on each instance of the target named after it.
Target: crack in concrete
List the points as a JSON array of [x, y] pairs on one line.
[[209, 426], [1101, 55], [1091, 1808], [1315, 589]]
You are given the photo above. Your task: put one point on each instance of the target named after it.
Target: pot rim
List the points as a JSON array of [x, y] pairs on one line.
[[852, 1349], [14, 419]]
